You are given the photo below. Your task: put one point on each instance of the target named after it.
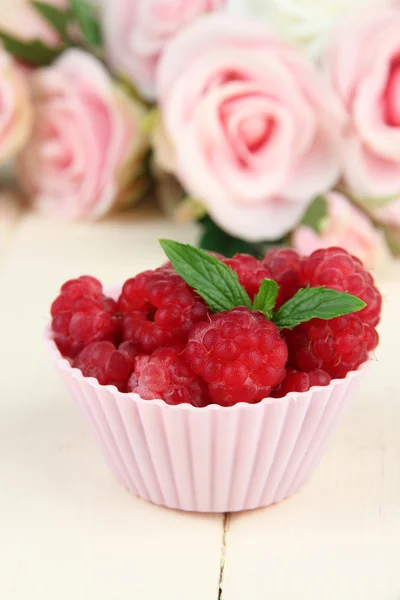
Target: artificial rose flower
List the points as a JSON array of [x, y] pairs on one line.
[[15, 107], [136, 33], [363, 65], [20, 19], [85, 156], [306, 23], [344, 226], [250, 124]]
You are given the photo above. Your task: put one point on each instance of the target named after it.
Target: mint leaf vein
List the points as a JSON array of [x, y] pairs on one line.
[[265, 300], [319, 303], [214, 281]]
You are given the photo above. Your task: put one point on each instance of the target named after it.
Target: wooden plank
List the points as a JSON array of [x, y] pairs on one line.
[[339, 538], [68, 531]]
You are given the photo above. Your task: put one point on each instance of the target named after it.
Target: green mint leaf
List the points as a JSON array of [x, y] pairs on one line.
[[85, 16], [216, 283], [316, 214], [57, 18], [319, 302], [33, 53], [265, 300]]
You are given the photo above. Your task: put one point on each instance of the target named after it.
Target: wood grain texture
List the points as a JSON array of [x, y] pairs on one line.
[[68, 531]]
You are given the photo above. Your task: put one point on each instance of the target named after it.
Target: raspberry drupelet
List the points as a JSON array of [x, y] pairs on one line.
[[250, 271], [335, 268], [81, 314], [167, 375], [285, 266], [108, 365], [336, 346], [158, 309], [239, 354], [298, 381]]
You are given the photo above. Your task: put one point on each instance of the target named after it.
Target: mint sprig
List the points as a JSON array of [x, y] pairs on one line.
[[265, 300], [319, 303], [214, 281], [219, 286]]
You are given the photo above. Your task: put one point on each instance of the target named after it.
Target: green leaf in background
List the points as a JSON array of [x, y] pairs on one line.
[[33, 53], [59, 19], [319, 302], [265, 300], [214, 239], [316, 214], [216, 283], [85, 16]]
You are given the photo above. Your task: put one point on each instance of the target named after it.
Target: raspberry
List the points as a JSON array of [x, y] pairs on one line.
[[298, 381], [337, 269], [239, 354], [107, 364], [82, 315], [167, 375], [159, 309], [250, 271], [285, 266], [337, 346]]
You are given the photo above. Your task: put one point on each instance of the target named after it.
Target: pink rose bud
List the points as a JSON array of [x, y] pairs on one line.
[[85, 155], [252, 128], [344, 226]]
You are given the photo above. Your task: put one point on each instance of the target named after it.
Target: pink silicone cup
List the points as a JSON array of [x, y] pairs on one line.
[[211, 459]]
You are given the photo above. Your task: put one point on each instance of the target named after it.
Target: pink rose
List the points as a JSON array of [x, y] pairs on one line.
[[363, 67], [249, 123], [85, 155], [15, 107], [21, 20], [344, 226], [137, 32]]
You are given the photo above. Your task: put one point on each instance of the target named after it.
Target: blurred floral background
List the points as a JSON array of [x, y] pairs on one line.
[[270, 122]]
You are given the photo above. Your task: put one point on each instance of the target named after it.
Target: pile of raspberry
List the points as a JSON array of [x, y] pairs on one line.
[[159, 339]]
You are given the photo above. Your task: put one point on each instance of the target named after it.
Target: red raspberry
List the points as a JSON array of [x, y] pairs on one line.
[[167, 375], [107, 364], [239, 354], [337, 346], [82, 315], [159, 309], [285, 266], [250, 271], [337, 269], [298, 381]]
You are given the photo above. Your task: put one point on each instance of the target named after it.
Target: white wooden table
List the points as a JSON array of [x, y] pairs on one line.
[[67, 531]]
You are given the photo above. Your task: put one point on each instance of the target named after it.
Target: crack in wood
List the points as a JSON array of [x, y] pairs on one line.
[[223, 554]]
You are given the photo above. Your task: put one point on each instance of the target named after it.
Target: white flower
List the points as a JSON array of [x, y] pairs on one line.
[[306, 23]]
